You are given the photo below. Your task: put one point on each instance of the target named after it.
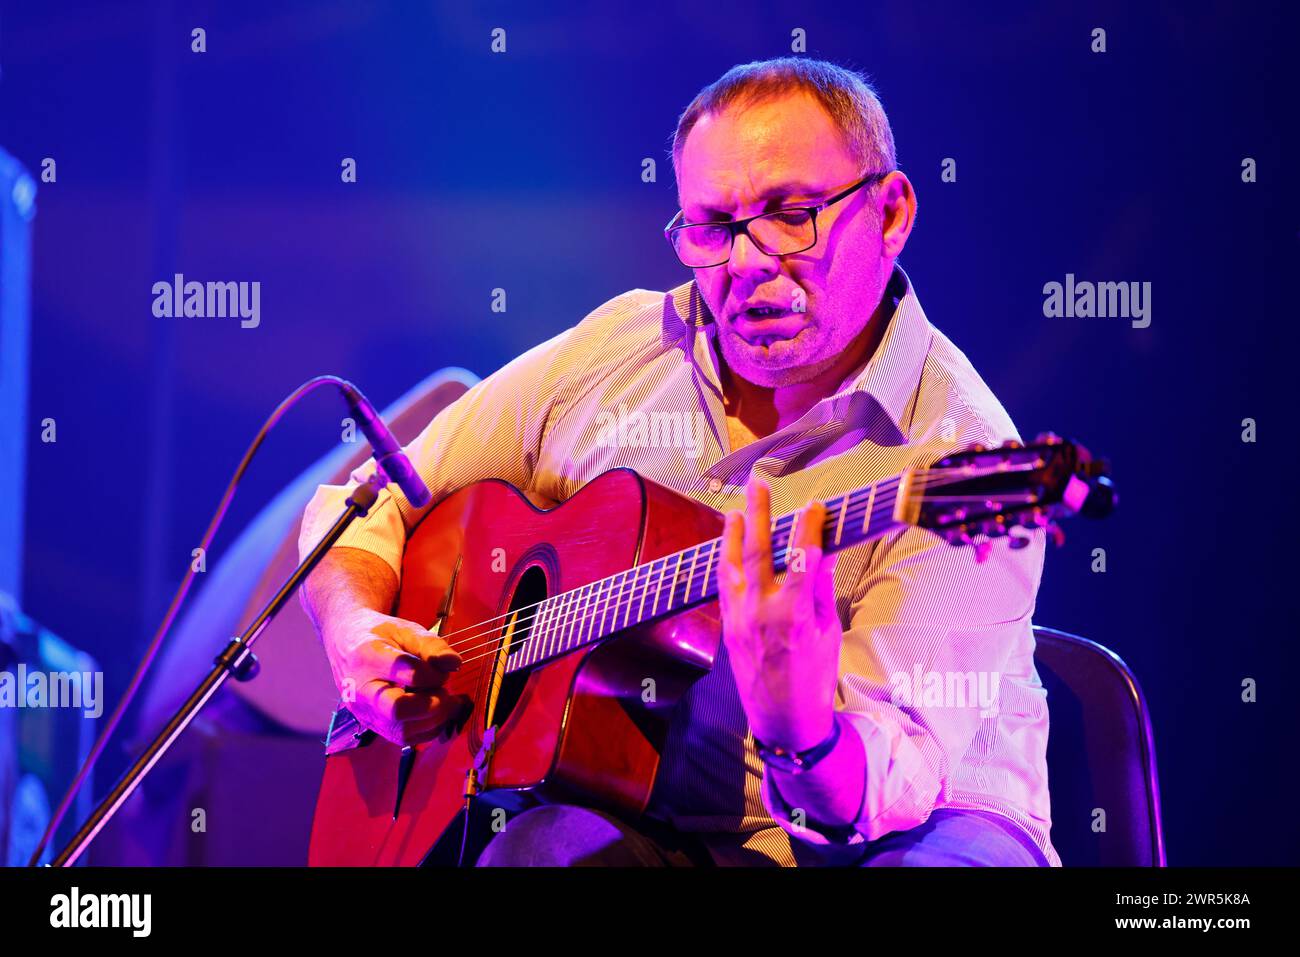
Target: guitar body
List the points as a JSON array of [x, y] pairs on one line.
[[577, 728]]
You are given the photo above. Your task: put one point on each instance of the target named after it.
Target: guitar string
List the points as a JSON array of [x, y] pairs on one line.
[[926, 478], [485, 662], [782, 528], [583, 593], [598, 608], [590, 608]]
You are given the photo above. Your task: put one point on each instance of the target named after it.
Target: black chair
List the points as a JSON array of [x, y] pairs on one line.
[[1100, 756]]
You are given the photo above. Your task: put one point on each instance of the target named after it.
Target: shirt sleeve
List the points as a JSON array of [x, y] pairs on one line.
[[494, 430], [932, 636]]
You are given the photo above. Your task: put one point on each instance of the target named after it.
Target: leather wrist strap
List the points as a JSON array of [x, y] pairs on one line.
[[798, 762]]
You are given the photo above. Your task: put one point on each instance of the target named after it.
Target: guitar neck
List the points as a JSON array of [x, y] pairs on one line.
[[665, 586]]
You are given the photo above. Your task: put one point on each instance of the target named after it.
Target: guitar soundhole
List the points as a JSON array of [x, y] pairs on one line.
[[530, 590]]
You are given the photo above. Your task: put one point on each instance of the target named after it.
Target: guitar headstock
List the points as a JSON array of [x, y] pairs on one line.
[[991, 492]]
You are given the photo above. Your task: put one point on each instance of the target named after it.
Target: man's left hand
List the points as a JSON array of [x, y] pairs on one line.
[[783, 639]]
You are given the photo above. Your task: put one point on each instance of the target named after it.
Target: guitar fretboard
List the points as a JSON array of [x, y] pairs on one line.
[[656, 589]]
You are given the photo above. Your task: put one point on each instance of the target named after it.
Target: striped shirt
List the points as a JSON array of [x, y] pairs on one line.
[[936, 673]]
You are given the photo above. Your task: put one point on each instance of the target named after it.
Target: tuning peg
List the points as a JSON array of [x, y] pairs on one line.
[[1048, 438], [982, 550], [1012, 444], [1018, 542], [1055, 531], [1102, 498]]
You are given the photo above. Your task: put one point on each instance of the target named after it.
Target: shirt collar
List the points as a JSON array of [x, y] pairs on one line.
[[890, 377]]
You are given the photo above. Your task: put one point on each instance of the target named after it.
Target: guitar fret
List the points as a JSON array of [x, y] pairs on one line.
[[627, 615], [567, 620], [555, 626], [654, 609], [645, 590], [608, 588], [625, 579], [839, 524], [537, 633], [708, 566], [582, 611], [523, 649], [672, 587], [602, 594], [552, 637], [573, 615], [507, 639], [571, 620], [866, 521], [611, 604], [550, 607], [542, 627], [594, 632], [690, 576], [562, 615]]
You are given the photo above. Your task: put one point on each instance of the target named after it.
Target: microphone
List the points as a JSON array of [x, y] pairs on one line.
[[388, 452]]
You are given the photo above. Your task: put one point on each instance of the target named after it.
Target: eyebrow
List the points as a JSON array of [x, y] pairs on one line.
[[787, 190]]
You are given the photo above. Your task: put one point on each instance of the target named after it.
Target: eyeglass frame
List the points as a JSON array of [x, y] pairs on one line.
[[737, 226]]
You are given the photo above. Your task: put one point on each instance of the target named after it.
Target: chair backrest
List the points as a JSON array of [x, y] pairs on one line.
[[1101, 759]]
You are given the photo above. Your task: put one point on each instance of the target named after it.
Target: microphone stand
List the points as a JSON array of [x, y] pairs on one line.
[[236, 660]]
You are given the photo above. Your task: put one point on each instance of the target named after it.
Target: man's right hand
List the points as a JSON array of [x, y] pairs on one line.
[[390, 673]]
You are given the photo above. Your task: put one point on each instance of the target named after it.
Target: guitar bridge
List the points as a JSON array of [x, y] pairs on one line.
[[473, 778]]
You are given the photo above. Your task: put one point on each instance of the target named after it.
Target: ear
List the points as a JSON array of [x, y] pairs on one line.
[[896, 203]]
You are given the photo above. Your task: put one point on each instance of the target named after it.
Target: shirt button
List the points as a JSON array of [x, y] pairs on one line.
[[715, 486]]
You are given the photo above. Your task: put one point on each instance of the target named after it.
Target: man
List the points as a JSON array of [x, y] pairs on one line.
[[798, 365]]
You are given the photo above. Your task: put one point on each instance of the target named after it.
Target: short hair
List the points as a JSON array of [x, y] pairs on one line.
[[845, 94]]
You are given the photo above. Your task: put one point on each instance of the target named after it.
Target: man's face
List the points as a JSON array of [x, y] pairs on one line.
[[783, 152]]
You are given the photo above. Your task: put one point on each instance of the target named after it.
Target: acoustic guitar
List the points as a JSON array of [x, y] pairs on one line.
[[580, 625]]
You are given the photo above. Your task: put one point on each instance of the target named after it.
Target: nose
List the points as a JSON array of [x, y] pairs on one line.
[[748, 261]]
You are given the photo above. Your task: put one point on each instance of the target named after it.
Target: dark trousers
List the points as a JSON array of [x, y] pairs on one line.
[[562, 835]]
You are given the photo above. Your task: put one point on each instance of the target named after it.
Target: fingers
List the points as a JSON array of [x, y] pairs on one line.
[[747, 543], [410, 717], [757, 556], [379, 658], [824, 597], [409, 656], [806, 556], [731, 581], [809, 523]]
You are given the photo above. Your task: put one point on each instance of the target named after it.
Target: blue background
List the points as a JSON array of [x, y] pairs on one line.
[[523, 171]]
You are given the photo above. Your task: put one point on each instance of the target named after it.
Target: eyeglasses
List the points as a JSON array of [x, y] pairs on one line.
[[782, 232]]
